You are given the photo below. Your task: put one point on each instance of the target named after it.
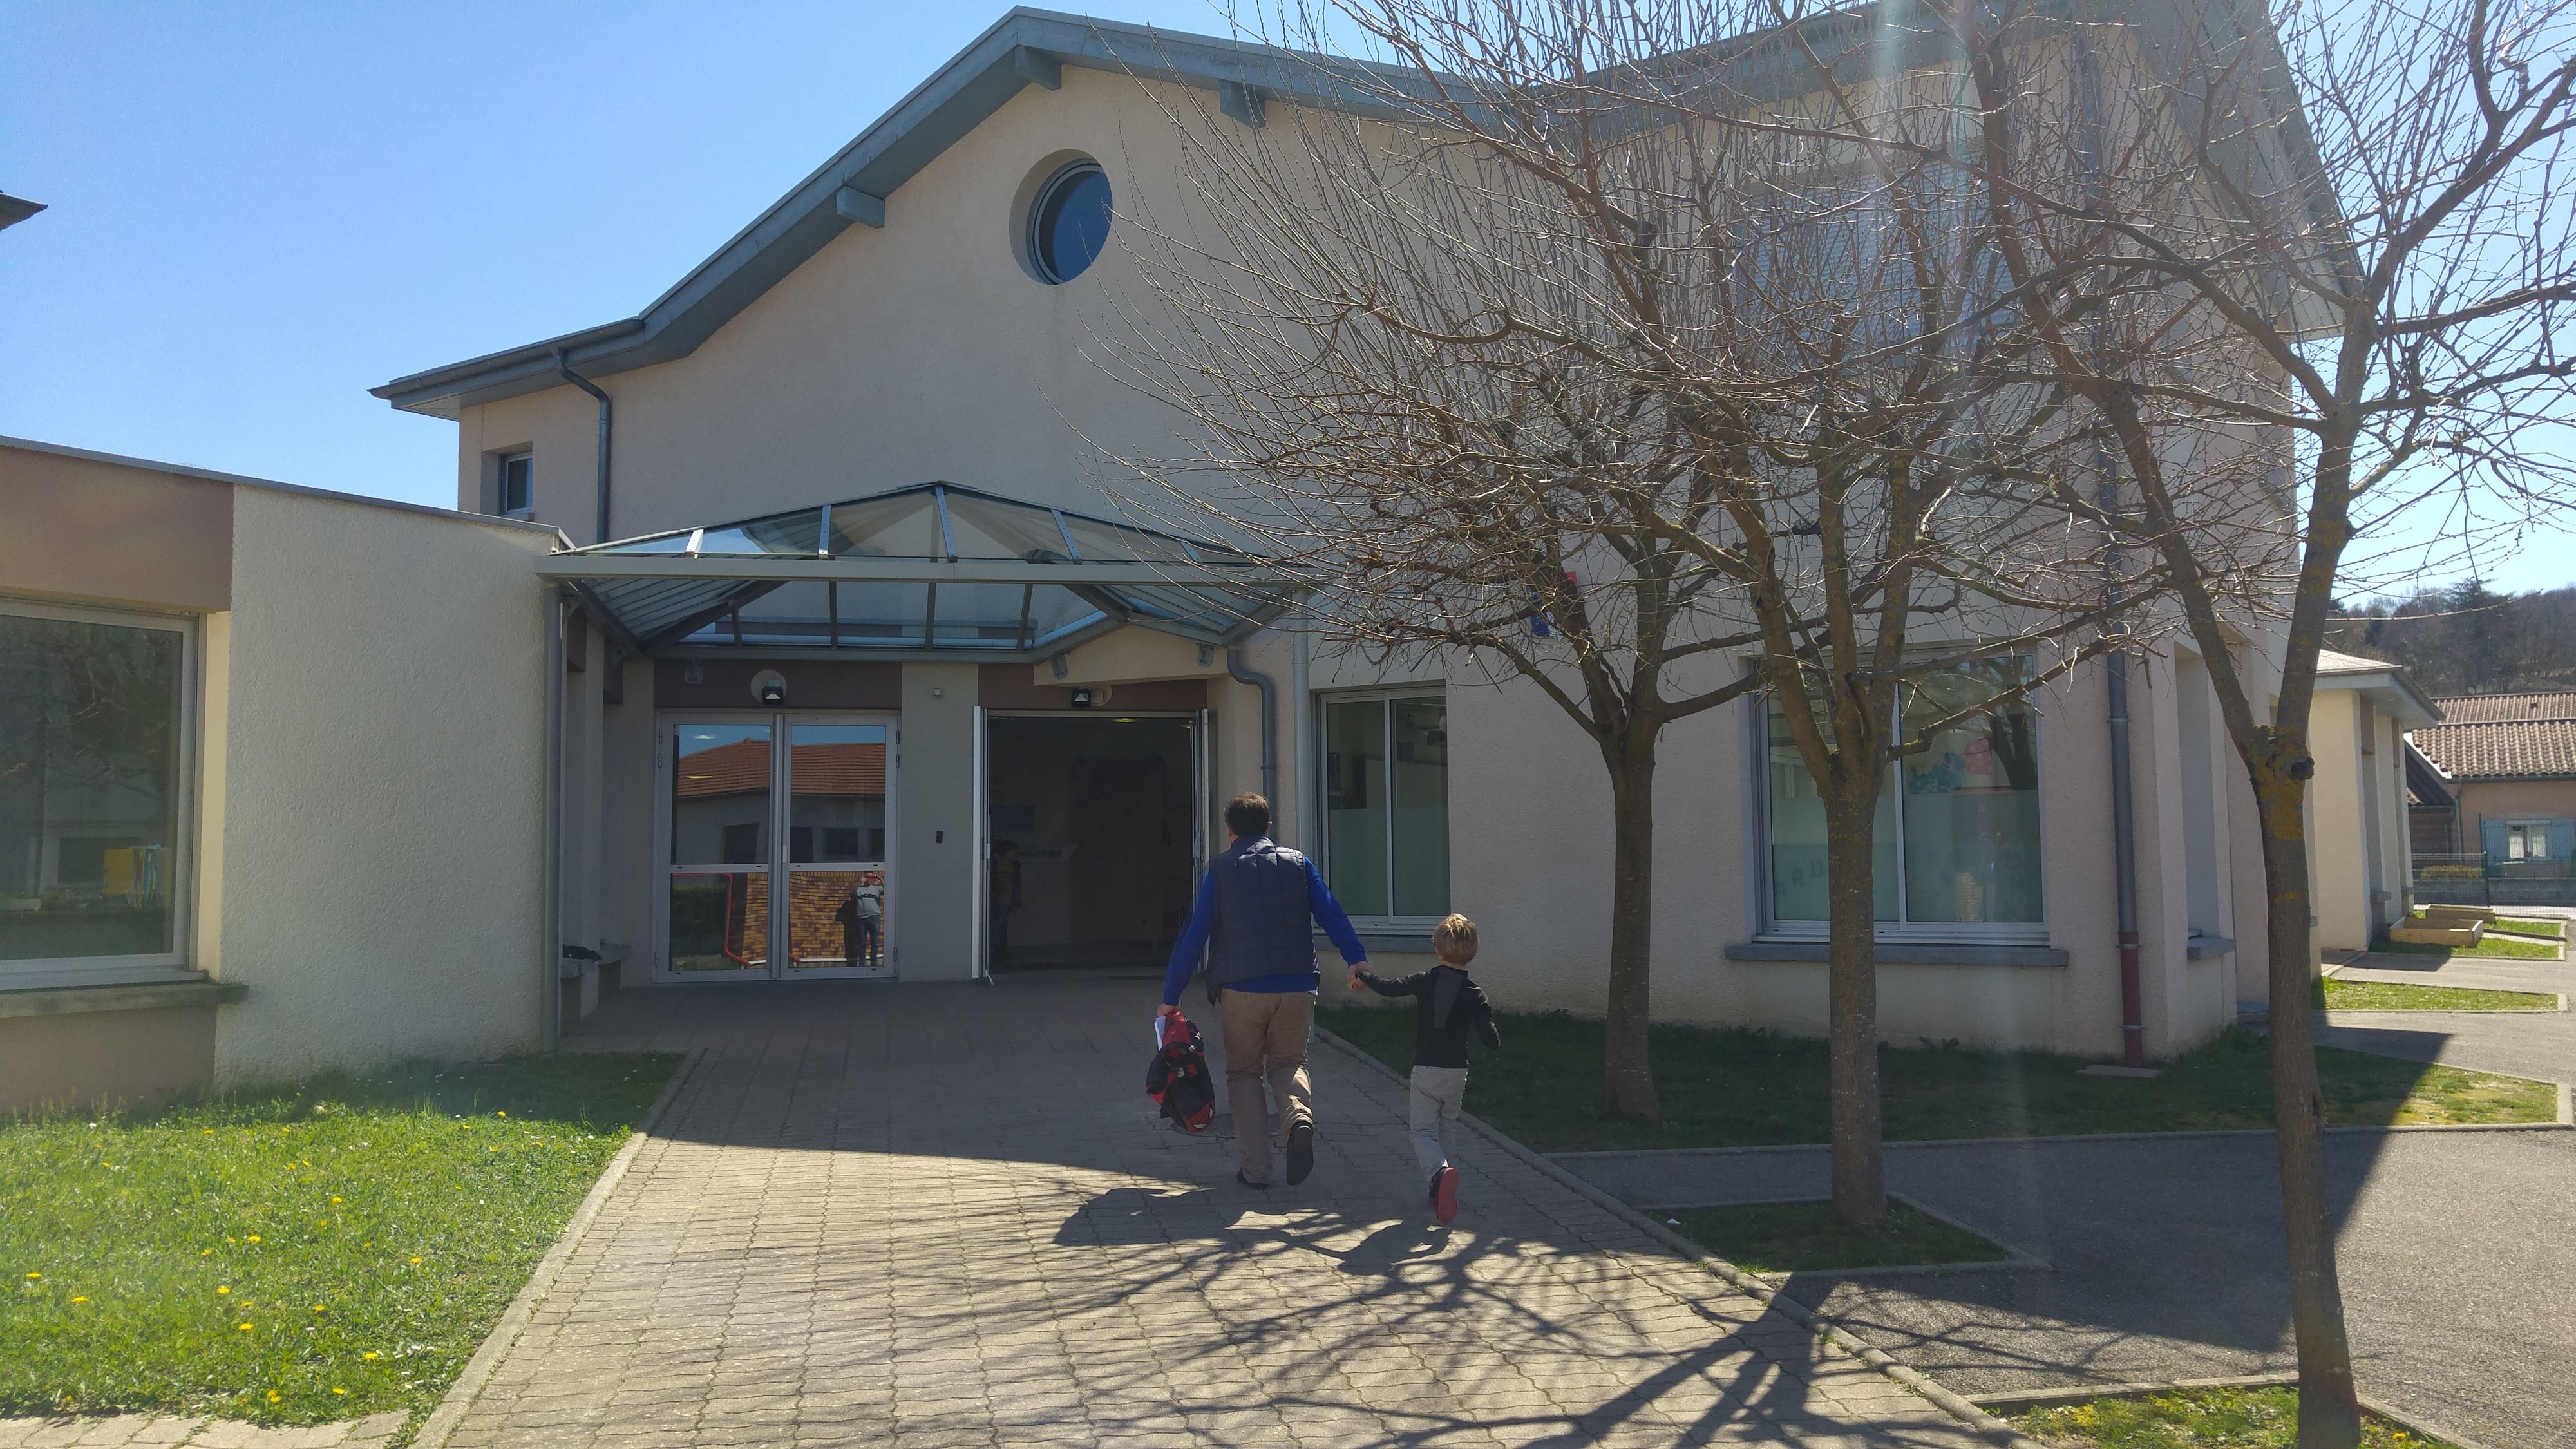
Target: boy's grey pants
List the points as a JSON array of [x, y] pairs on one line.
[[1437, 1091]]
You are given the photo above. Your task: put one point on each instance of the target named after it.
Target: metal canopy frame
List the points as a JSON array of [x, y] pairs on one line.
[[1078, 576]]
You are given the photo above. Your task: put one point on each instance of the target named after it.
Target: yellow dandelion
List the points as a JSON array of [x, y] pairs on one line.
[[35, 1275], [84, 1298], [415, 1260], [272, 1395], [500, 1114], [223, 1288], [339, 1391], [335, 1201], [252, 1238], [318, 1308], [206, 1253], [209, 1131], [244, 1327], [371, 1353]]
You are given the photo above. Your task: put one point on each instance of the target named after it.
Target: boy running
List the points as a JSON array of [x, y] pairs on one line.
[[1447, 1004]]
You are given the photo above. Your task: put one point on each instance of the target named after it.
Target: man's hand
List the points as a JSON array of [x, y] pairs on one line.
[[1356, 983], [1167, 1009]]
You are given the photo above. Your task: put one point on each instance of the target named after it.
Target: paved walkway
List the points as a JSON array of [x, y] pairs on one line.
[[905, 1215], [2166, 1263], [2539, 1044], [162, 1431]]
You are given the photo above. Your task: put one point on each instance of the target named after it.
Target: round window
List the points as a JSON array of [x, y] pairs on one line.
[[1069, 222]]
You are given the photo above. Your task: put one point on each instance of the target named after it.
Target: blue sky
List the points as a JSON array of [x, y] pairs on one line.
[[259, 212]]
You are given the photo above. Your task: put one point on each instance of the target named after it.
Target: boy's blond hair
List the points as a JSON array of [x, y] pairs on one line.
[[1454, 940]]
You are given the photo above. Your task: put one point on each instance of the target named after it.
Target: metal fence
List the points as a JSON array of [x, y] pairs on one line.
[[2480, 880]]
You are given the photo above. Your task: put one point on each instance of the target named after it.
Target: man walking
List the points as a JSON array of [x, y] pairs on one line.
[[1251, 919]]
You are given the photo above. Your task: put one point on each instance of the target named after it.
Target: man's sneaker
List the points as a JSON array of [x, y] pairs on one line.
[[1248, 1182], [1301, 1152], [1444, 1194]]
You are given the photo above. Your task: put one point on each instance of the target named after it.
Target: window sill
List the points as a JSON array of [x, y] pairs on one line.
[[1396, 941], [2205, 948], [69, 1000], [1905, 953]]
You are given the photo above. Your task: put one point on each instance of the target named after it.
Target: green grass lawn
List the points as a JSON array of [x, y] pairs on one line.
[[2554, 930], [2265, 1418], [2336, 994], [2490, 946], [1798, 1237], [326, 1250], [1732, 1087]]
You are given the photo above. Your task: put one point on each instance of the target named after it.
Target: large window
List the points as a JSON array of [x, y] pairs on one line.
[[93, 802], [1386, 805], [1957, 848]]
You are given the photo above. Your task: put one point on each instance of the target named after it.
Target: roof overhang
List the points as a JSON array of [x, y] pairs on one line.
[[864, 578], [2391, 691]]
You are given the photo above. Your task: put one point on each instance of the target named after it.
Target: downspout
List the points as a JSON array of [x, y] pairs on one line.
[[1235, 671], [550, 964], [607, 413], [2124, 843]]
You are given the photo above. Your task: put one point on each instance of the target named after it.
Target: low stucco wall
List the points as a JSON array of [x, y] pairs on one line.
[[103, 1058], [372, 830]]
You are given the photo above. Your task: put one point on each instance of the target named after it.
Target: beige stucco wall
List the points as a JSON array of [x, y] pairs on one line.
[[2344, 816], [97, 1058], [372, 846], [2514, 800]]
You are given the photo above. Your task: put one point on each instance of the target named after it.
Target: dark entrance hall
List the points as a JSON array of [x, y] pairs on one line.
[[1093, 838]]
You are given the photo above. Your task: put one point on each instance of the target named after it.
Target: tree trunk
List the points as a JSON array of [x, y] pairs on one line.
[[1629, 1075], [2329, 1415], [1851, 910]]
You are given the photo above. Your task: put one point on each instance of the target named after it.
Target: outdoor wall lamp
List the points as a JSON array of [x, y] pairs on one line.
[[770, 688]]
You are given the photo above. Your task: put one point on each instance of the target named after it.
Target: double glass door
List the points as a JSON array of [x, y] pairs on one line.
[[777, 829]]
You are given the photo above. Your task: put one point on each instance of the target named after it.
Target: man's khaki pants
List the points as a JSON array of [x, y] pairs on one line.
[[1265, 1036]]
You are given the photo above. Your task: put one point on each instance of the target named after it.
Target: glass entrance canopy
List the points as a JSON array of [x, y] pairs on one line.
[[933, 567]]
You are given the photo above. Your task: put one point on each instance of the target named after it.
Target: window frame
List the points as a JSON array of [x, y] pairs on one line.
[[501, 462], [1057, 183], [2522, 830], [143, 968], [1980, 933], [1322, 845]]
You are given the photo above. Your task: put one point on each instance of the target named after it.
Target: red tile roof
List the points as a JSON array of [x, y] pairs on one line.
[[2503, 736], [743, 767]]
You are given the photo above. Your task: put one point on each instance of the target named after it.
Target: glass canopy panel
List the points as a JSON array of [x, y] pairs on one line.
[[789, 533], [985, 616], [992, 528], [1121, 544], [1057, 612], [882, 616], [666, 543], [797, 614], [903, 526], [648, 607]]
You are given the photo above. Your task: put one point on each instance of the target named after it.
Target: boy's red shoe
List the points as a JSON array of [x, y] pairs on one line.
[[1444, 1195]]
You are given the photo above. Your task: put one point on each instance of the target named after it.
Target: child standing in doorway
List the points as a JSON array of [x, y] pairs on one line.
[[1447, 1005]]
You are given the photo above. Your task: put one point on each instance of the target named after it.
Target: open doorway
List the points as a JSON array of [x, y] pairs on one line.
[[1093, 841]]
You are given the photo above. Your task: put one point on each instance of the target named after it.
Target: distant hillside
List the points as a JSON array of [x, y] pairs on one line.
[[2469, 639]]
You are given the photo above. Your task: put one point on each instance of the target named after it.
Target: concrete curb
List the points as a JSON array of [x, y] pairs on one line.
[[460, 1396], [1978, 1420], [2077, 1137]]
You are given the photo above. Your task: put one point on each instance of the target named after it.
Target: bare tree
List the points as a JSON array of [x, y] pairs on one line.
[[1563, 352], [2307, 278]]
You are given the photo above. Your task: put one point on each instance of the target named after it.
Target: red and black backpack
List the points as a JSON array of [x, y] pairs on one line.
[[1178, 1079]]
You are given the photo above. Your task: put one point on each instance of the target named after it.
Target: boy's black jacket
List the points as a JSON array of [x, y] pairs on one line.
[[1444, 1011]]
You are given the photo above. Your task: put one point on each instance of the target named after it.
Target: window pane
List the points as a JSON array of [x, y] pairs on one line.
[[1421, 775], [836, 794], [720, 796], [1355, 804], [1971, 804], [719, 920], [1798, 836], [89, 788], [836, 918]]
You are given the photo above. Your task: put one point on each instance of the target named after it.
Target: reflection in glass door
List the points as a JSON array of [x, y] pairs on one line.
[[721, 831], [836, 922]]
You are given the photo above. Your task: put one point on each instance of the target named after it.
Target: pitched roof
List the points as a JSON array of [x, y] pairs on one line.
[[1032, 47], [2503, 736], [2330, 662]]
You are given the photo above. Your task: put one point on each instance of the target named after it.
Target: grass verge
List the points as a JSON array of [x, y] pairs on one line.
[[2492, 947], [2520, 926], [324, 1250], [1798, 1237], [2264, 1418], [2336, 994], [1735, 1087]]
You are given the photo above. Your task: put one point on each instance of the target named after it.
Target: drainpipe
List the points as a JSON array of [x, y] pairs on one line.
[[550, 957], [563, 367], [2124, 843], [1269, 721]]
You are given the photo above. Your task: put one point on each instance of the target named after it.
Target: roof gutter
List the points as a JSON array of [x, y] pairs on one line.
[[607, 415]]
